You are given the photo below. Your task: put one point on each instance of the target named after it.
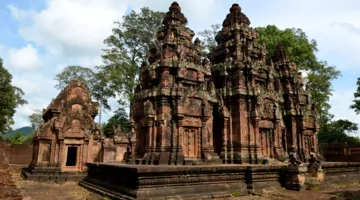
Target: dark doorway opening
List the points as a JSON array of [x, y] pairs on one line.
[[71, 156], [218, 126]]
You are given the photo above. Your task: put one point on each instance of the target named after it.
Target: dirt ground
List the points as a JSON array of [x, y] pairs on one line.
[[12, 187]]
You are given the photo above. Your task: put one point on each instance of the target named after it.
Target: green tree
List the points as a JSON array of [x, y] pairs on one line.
[[301, 51], [16, 139], [338, 132], [10, 98], [356, 101], [208, 36], [126, 50], [94, 81], [120, 118], [36, 119]]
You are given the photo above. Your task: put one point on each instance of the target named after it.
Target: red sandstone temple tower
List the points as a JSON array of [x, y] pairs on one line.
[[269, 109], [174, 104]]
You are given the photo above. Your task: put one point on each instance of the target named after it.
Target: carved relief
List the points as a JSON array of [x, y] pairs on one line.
[[78, 92], [76, 107], [268, 110], [149, 108], [193, 106], [191, 122]]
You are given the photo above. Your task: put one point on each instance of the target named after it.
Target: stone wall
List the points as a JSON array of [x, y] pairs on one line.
[[340, 152], [20, 154]]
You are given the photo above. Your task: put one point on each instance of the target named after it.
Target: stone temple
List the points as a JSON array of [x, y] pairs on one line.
[[242, 107]]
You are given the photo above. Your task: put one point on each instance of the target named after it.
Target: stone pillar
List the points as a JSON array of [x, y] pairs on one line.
[[224, 153], [149, 136], [257, 147], [179, 149], [207, 149], [164, 131], [61, 153]]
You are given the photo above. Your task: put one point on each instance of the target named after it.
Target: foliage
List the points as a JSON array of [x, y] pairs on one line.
[[356, 101], [302, 52], [17, 139], [10, 98], [337, 132], [120, 118], [126, 50], [36, 118], [209, 36]]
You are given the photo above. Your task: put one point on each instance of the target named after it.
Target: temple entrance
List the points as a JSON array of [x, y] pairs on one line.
[[218, 126], [189, 142], [266, 136], [71, 158]]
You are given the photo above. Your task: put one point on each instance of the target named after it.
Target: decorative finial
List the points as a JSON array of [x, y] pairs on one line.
[[235, 8], [175, 7]]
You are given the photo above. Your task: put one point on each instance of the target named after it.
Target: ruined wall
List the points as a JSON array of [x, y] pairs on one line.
[[20, 154], [340, 152]]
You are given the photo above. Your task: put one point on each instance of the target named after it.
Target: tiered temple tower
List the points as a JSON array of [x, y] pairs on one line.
[[174, 104], [240, 108], [269, 109]]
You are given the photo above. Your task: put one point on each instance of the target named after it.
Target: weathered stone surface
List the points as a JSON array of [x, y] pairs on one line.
[[69, 137]]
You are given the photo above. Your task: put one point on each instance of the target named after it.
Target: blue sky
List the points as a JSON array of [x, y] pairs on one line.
[[38, 38]]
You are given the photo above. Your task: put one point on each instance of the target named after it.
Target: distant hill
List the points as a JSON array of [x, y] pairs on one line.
[[25, 131]]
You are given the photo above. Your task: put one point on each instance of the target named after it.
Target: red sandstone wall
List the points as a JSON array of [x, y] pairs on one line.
[[17, 154], [340, 153]]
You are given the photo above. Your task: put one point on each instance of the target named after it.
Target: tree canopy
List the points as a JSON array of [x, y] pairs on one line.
[[126, 50], [10, 98], [338, 132], [36, 119], [356, 102], [120, 118]]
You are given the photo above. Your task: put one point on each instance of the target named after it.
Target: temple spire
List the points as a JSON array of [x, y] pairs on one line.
[[174, 16]]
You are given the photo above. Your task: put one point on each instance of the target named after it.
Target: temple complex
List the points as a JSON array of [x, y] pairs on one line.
[[239, 121], [238, 107]]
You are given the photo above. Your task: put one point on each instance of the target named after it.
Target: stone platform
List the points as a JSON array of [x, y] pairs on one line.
[[125, 181], [50, 174]]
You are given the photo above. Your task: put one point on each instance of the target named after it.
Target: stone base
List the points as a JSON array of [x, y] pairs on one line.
[[295, 177], [125, 181], [50, 174]]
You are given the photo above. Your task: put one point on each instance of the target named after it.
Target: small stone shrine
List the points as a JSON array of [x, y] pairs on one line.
[[69, 137]]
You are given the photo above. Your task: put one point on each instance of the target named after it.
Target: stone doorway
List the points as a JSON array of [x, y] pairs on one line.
[[189, 142], [266, 136], [71, 157]]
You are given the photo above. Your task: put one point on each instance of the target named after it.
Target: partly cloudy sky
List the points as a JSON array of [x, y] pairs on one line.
[[38, 38]]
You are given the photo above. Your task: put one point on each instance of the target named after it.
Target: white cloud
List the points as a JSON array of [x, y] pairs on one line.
[[24, 58], [73, 28]]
